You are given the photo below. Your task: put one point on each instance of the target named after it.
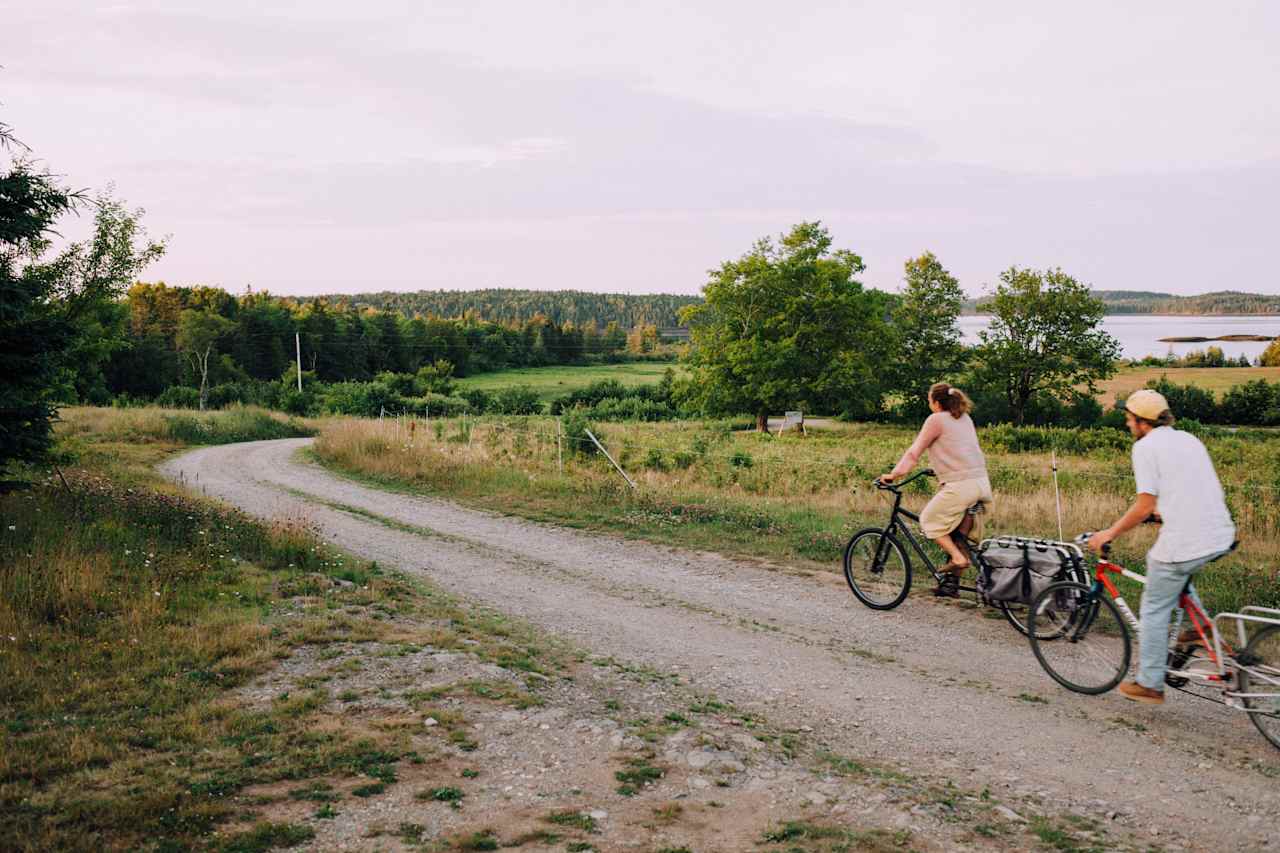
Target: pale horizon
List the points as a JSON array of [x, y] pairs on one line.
[[331, 149]]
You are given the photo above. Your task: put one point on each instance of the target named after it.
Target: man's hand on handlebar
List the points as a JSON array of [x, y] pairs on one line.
[[1100, 542]]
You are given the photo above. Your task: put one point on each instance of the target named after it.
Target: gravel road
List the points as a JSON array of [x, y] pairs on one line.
[[931, 688]]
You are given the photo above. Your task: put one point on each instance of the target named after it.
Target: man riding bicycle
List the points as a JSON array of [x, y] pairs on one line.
[[1176, 479]]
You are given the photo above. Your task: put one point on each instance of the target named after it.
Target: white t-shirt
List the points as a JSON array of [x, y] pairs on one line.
[[1174, 466]]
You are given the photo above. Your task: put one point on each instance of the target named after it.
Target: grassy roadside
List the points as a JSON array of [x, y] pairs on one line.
[[145, 624], [793, 501], [129, 615]]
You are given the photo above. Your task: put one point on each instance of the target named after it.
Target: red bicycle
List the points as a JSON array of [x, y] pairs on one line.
[[1082, 636]]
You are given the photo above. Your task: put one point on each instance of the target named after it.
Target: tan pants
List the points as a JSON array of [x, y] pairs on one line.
[[944, 512]]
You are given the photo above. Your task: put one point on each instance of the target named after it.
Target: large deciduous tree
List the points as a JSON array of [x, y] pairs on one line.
[[785, 325], [927, 338], [1044, 338]]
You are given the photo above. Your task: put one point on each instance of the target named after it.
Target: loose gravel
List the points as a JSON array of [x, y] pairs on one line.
[[933, 689]]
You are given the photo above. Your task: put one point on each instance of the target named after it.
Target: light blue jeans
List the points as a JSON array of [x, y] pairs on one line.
[[1164, 586]]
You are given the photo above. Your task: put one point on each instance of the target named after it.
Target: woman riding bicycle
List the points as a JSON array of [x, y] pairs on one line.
[[952, 442]]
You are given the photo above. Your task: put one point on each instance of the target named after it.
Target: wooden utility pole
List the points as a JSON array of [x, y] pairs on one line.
[[297, 341]]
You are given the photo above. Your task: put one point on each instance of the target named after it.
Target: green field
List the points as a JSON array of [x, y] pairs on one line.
[[552, 382]]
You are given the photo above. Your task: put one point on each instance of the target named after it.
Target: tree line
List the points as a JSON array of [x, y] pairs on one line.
[[563, 307], [205, 338], [1223, 302]]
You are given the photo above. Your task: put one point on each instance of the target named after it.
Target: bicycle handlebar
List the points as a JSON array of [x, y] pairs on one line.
[[893, 487], [1085, 537]]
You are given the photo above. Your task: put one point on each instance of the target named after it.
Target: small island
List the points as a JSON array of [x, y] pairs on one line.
[[1197, 340]]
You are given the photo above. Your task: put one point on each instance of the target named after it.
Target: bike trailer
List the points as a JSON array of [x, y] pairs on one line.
[[1016, 570]]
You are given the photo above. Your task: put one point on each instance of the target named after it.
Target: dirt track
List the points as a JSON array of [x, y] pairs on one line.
[[932, 688]]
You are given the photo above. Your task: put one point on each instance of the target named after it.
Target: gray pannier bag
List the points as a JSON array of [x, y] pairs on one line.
[[1016, 570]]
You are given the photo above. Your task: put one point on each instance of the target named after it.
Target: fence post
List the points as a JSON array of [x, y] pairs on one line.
[[630, 481], [559, 447]]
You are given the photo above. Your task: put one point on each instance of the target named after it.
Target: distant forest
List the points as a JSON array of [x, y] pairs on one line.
[[572, 307], [1149, 302], [160, 336]]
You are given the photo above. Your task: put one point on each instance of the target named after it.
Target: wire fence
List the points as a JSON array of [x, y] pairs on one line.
[[828, 465]]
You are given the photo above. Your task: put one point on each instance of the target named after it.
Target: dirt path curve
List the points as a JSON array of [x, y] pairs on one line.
[[930, 688]]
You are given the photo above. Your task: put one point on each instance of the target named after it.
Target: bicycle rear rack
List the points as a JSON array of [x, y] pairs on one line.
[[1248, 615]]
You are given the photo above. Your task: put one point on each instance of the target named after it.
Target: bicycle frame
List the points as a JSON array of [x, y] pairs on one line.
[[1221, 656], [896, 525]]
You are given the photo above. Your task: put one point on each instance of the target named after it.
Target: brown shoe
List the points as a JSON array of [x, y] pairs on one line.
[[1135, 691]]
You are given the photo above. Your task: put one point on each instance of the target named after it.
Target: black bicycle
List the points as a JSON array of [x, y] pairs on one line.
[[878, 568]]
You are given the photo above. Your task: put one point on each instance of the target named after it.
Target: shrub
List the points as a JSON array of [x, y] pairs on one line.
[[434, 405], [366, 399], [516, 400], [403, 384], [1250, 404], [1038, 439], [631, 409], [436, 378], [297, 402], [179, 397], [1188, 401], [479, 400], [575, 426]]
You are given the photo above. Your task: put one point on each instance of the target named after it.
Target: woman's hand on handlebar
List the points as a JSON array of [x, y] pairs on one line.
[[886, 479]]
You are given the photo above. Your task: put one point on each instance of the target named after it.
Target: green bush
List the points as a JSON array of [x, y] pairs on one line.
[[364, 399], [1036, 439], [516, 400], [478, 399], [1250, 404], [631, 409], [179, 397], [575, 426], [1188, 401], [433, 405]]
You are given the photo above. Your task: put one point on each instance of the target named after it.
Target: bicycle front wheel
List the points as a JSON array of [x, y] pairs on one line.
[[877, 569], [1260, 680], [1079, 638]]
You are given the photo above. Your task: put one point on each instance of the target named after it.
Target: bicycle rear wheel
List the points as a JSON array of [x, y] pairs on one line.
[[1261, 677], [880, 584], [1079, 638]]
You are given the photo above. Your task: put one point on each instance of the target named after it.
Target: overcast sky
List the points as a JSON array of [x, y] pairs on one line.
[[630, 146]]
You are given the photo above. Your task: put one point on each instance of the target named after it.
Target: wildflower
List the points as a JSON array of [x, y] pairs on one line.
[[157, 593], [13, 527]]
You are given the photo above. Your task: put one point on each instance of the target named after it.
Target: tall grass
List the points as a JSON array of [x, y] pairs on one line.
[[710, 485], [178, 426]]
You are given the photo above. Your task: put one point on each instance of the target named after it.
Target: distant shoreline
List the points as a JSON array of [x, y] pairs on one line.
[[1227, 338]]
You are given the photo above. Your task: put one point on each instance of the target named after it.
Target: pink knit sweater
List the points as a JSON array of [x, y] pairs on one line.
[[953, 449]]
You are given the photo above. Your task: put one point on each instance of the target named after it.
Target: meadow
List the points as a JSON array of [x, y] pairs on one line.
[[1214, 379], [551, 382], [130, 611], [794, 500]]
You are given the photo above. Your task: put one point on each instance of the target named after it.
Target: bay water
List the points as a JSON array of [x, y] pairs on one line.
[[1139, 334]]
